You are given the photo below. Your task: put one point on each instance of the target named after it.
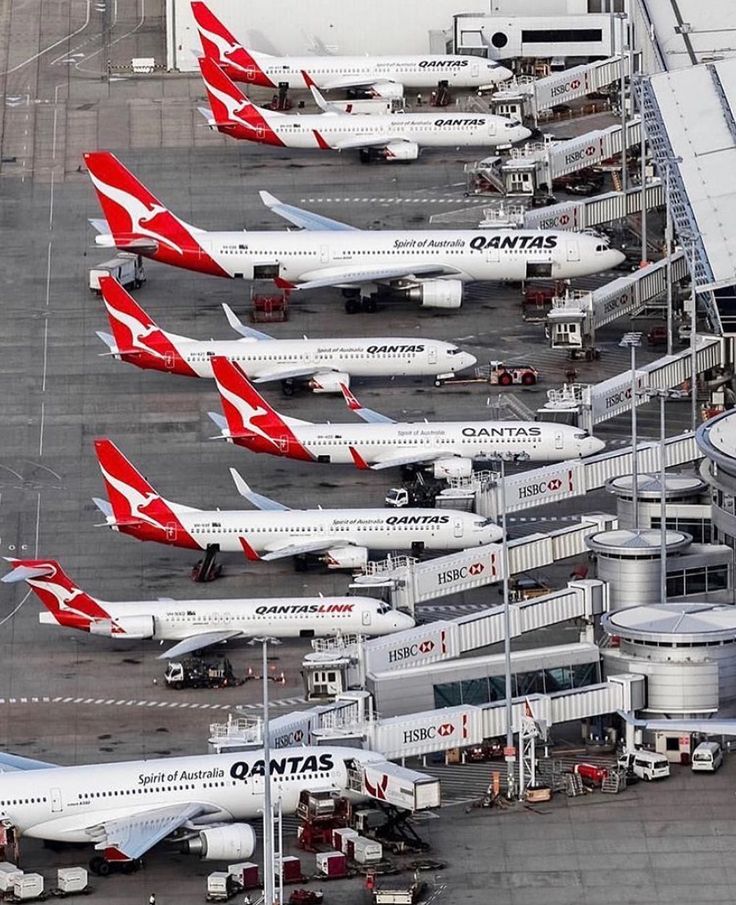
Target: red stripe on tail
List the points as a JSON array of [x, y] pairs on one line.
[[219, 45]]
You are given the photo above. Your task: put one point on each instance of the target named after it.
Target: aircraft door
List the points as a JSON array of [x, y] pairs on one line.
[[57, 804], [492, 128], [171, 533], [367, 617], [324, 254], [474, 71], [493, 255], [458, 527], [260, 132], [432, 355], [256, 784], [169, 361], [283, 444], [573, 250], [250, 73], [558, 440]]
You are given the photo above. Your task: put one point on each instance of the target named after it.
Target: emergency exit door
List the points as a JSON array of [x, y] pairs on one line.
[[56, 802]]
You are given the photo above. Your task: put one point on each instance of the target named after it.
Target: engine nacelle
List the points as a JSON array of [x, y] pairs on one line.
[[346, 558], [401, 150], [224, 843], [453, 468], [133, 627], [389, 90], [438, 293], [329, 383]]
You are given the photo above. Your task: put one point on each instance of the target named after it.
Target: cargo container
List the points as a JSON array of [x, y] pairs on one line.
[[340, 838], [28, 887], [246, 873], [127, 270], [332, 864], [403, 788], [221, 886], [289, 868], [8, 874], [367, 851], [70, 880]]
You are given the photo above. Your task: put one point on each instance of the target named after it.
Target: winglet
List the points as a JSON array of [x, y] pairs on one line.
[[268, 199], [350, 399], [360, 462], [239, 326], [257, 499], [241, 486]]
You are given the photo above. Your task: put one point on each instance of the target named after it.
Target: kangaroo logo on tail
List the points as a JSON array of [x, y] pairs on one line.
[[137, 508], [138, 338], [69, 605], [220, 45], [140, 222], [250, 419], [233, 112]]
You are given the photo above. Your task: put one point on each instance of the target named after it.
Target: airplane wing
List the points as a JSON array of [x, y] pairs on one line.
[[10, 763], [365, 413], [257, 499], [353, 81], [197, 642], [375, 141], [133, 836], [344, 276], [286, 373], [301, 218], [239, 326], [397, 461], [297, 548]]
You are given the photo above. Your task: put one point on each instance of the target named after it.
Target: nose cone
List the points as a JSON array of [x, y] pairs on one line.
[[402, 622], [522, 133], [613, 258], [463, 360], [590, 446], [493, 534], [501, 74]]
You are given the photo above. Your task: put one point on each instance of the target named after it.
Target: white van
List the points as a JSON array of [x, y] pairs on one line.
[[707, 757], [645, 764]]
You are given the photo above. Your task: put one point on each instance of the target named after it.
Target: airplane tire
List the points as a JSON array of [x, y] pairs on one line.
[[369, 305], [352, 306], [287, 387]]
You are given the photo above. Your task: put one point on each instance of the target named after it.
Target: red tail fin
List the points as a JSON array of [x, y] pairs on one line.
[[233, 112], [252, 422], [137, 508], [137, 336], [68, 604], [219, 45], [138, 220]]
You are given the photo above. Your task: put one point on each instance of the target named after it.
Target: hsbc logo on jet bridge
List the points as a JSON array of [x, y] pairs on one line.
[[461, 573], [446, 734], [547, 486], [419, 650], [565, 87]]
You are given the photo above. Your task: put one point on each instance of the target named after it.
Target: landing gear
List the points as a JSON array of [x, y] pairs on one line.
[[287, 386], [101, 867], [364, 155], [353, 302], [301, 563], [208, 569]]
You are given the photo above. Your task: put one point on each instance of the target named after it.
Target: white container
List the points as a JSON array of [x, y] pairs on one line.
[[340, 838], [71, 879], [8, 875], [366, 851], [28, 886], [219, 885]]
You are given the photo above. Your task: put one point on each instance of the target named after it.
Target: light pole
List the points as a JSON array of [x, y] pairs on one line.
[[509, 751], [632, 341], [624, 143], [668, 162], [693, 341], [663, 395], [268, 851]]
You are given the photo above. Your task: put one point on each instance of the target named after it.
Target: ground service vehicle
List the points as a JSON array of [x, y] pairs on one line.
[[125, 268], [645, 764], [201, 672], [707, 757]]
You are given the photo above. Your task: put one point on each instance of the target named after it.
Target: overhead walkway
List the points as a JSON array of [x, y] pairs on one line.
[[588, 213]]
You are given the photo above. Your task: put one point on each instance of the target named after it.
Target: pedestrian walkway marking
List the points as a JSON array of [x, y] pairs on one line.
[[110, 702]]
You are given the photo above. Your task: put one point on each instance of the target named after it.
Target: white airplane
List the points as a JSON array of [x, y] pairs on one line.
[[428, 265], [450, 447], [380, 76], [127, 808], [392, 137], [340, 537], [196, 624], [324, 364]]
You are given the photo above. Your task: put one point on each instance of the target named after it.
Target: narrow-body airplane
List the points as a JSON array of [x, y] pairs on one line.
[[391, 137], [196, 624], [324, 364], [341, 538], [380, 76], [429, 265], [450, 447], [199, 803]]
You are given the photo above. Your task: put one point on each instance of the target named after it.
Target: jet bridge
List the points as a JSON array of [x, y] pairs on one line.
[[575, 317], [587, 213]]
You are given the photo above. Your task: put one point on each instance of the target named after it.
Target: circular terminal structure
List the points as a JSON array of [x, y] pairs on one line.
[[674, 624], [716, 440], [645, 543], [677, 487]]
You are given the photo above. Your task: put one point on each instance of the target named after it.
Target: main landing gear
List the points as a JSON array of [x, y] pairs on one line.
[[101, 867], [208, 569], [355, 302]]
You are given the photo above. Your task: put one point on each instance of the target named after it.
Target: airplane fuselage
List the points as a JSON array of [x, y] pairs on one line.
[[63, 803], [332, 443]]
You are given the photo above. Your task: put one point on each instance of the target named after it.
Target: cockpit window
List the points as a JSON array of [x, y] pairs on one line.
[[484, 523], [454, 351], [512, 124], [601, 248], [582, 435]]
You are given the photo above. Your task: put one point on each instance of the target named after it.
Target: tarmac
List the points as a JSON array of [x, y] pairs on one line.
[[69, 698]]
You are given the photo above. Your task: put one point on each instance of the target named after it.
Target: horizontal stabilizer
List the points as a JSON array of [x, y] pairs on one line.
[[21, 573], [220, 422], [103, 505], [109, 340], [101, 226]]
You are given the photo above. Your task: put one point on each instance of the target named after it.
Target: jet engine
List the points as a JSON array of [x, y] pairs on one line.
[[346, 558], [453, 468], [388, 90], [133, 627], [438, 293], [329, 382], [401, 150], [224, 843]]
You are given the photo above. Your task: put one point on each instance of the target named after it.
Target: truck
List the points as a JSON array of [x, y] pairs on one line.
[[420, 491], [497, 373], [201, 672], [222, 886], [126, 268]]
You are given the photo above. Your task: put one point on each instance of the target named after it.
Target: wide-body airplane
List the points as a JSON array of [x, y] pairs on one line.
[[450, 447], [341, 538], [124, 809], [196, 624], [380, 76], [428, 265], [324, 364], [391, 137]]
